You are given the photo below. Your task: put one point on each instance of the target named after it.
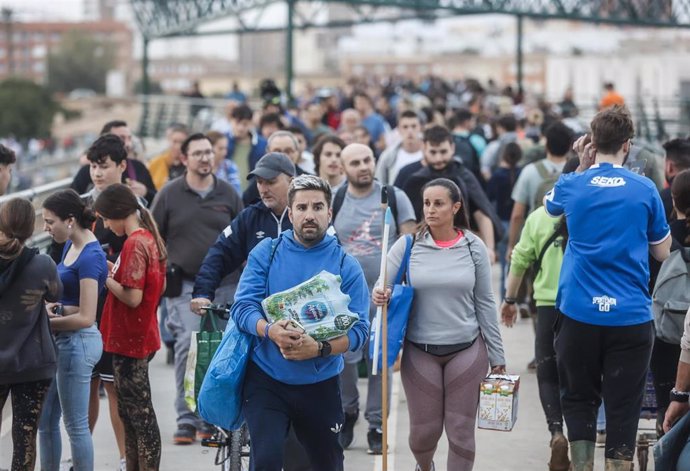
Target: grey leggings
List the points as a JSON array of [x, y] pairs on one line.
[[443, 391]]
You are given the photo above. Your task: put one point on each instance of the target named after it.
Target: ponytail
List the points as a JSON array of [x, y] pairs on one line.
[[10, 248], [562, 230], [17, 219], [66, 204], [680, 192], [119, 202], [150, 225], [512, 154]]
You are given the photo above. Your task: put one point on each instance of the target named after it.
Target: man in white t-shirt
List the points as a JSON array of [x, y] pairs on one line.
[[408, 151], [559, 139]]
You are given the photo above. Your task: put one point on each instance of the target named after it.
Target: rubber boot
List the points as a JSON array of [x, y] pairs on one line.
[[582, 455], [559, 453], [618, 465]]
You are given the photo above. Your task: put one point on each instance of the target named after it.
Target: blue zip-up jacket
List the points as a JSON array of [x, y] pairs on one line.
[[258, 148], [292, 264], [231, 249]]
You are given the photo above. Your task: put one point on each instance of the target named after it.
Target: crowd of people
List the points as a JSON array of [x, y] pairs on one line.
[[579, 224]]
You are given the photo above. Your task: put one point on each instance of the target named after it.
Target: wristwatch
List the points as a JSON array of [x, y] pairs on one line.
[[324, 349], [509, 301], [678, 396]]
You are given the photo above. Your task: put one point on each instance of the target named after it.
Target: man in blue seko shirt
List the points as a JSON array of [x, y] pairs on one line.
[[291, 378], [604, 332]]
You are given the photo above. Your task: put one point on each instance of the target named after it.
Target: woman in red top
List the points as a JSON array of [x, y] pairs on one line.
[[129, 325]]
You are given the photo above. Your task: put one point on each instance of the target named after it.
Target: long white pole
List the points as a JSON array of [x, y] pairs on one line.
[[379, 310]]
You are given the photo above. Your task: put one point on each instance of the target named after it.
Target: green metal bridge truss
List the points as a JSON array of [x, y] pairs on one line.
[[170, 18], [166, 18]]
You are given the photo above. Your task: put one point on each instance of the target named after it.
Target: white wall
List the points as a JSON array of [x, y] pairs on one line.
[[657, 75]]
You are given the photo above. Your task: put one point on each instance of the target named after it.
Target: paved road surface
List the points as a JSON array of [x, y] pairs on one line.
[[525, 448]]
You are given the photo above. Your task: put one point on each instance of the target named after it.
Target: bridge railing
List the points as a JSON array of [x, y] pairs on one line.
[[37, 195], [160, 111], [656, 118]]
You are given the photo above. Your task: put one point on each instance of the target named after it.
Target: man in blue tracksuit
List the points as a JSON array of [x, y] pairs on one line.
[[263, 220], [292, 379]]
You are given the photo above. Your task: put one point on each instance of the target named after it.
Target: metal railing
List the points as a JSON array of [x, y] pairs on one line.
[[657, 119], [37, 195], [160, 111]]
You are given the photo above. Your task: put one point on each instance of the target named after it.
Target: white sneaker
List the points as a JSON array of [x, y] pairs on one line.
[[418, 468], [123, 465]]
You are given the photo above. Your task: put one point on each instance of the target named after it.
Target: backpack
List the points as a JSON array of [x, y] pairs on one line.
[[548, 180], [467, 153], [561, 230], [339, 198], [671, 297]]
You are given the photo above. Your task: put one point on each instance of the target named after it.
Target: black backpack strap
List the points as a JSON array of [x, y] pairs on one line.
[[547, 244], [392, 203], [338, 199], [274, 248]]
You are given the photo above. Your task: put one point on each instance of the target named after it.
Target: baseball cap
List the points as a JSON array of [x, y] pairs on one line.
[[271, 165]]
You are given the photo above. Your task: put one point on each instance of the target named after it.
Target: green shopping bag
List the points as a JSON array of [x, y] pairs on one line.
[[202, 348]]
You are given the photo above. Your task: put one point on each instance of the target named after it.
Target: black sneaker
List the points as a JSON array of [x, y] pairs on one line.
[[375, 439], [347, 433], [184, 435], [205, 431]]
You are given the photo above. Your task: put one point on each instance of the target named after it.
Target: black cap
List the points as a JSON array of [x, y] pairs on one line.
[[271, 165]]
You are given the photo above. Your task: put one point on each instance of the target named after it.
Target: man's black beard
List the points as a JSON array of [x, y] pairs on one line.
[[441, 171], [313, 241], [361, 186]]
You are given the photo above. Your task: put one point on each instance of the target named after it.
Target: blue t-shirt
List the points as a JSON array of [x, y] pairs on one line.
[[90, 263], [613, 216]]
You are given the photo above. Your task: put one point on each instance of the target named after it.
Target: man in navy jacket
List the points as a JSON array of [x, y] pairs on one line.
[[291, 378], [266, 219]]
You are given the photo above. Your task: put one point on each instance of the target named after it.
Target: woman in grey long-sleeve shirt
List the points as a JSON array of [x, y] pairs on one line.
[[452, 334]]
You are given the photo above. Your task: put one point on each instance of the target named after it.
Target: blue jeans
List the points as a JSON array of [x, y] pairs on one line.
[[181, 322], [166, 336], [672, 451], [78, 352], [601, 419]]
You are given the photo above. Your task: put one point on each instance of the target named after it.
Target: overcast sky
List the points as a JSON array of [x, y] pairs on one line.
[[66, 10]]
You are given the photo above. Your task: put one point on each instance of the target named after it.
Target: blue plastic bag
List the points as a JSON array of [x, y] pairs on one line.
[[220, 396], [398, 311]]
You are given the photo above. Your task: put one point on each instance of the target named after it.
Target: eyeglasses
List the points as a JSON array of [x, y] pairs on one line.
[[202, 153]]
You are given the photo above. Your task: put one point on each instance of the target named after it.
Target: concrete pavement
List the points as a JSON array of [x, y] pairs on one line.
[[524, 448]]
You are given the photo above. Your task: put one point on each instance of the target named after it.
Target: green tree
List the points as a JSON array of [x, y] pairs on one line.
[[80, 61], [27, 109]]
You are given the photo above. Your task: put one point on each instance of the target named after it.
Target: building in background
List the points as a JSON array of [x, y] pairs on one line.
[[177, 74], [26, 52]]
